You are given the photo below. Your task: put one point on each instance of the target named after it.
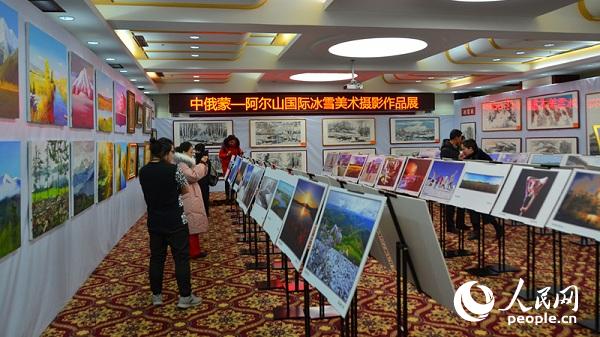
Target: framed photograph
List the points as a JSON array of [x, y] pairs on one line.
[[468, 130], [277, 133], [106, 164], [104, 102], [414, 130], [568, 145], [414, 176], [390, 173], [369, 151], [139, 118], [506, 145], [264, 195], [355, 167], [83, 175], [82, 93], [120, 110], [405, 151], [131, 161], [592, 110], [147, 119], [209, 133], [371, 171], [294, 159], [442, 180], [280, 202], [131, 112], [215, 163], [502, 115], [348, 131], [556, 111]]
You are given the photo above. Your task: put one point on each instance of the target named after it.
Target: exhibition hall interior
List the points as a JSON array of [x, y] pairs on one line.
[[287, 168]]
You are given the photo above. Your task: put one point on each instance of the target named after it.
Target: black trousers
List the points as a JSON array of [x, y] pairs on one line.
[[205, 189], [180, 249], [476, 218], [451, 211], [228, 192]]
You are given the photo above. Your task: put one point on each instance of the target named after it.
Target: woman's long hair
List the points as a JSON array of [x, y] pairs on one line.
[[229, 138]]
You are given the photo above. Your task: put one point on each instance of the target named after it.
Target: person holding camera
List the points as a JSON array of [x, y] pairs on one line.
[[163, 185], [193, 205]]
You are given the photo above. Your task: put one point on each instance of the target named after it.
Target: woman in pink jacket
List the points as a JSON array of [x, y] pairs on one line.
[[193, 205]]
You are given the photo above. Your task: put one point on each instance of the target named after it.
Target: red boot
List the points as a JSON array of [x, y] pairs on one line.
[[194, 246]]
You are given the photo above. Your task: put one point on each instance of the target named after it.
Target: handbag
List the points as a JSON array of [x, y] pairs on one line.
[[213, 179]]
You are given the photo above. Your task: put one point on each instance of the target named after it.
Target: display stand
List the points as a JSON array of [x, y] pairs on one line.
[[528, 293], [269, 284], [256, 265], [449, 254], [557, 262], [594, 323], [481, 270], [349, 324], [501, 266], [583, 242], [402, 258]]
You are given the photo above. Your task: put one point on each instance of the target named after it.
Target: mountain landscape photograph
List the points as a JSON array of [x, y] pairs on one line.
[[82, 93], [83, 175], [10, 198], [9, 62], [104, 111]]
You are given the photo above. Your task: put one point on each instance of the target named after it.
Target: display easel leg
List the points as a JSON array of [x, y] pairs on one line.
[[528, 293], [243, 231], [594, 322], [584, 242], [401, 289], [481, 270], [306, 309], [269, 284], [502, 267], [256, 265], [461, 251]]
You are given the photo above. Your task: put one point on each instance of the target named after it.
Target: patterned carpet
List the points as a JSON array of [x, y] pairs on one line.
[[114, 301]]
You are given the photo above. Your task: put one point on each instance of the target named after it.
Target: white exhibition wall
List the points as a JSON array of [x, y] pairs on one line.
[[584, 87], [40, 277], [314, 148]]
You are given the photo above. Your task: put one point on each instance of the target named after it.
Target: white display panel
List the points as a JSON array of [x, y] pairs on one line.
[[546, 159], [442, 180], [241, 187], [344, 235], [578, 209], [279, 203], [248, 190], [300, 219], [355, 167], [232, 172], [514, 158], [480, 185], [263, 197], [371, 171], [240, 175], [413, 176], [530, 194]]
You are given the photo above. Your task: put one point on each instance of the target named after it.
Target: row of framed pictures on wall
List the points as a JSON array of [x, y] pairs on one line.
[[65, 179], [63, 88], [266, 133]]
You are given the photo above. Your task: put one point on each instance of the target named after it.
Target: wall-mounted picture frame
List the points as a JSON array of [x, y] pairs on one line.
[[508, 145], [294, 159], [210, 133], [371, 151], [348, 131], [552, 145], [412, 130], [139, 118], [405, 151], [592, 112], [131, 112], [504, 115], [469, 130], [153, 134], [277, 133], [554, 111], [147, 120]]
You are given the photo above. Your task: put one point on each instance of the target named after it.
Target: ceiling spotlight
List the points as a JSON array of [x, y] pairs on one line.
[[194, 37], [194, 47], [93, 43], [122, 71], [66, 18], [378, 47], [146, 92], [195, 55], [196, 76], [133, 80], [109, 59], [140, 87], [478, 87], [497, 60], [322, 77], [520, 53], [431, 78], [196, 80], [547, 45], [418, 81]]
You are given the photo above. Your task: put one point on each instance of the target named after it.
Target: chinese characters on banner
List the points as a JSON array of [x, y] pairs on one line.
[[470, 111]]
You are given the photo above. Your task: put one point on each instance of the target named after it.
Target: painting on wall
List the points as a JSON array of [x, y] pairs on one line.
[[49, 163], [566, 145], [348, 131], [284, 159], [48, 79], [147, 120], [120, 166], [468, 130], [592, 108], [105, 170], [131, 161], [414, 130], [501, 145], [502, 115], [83, 171], [277, 132], [131, 112], [104, 102], [9, 64], [82, 93], [140, 157], [344, 235], [140, 109], [209, 133], [556, 111], [120, 104], [405, 151], [10, 197], [147, 153]]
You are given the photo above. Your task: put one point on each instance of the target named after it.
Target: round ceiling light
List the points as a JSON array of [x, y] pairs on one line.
[[378, 47], [66, 18], [477, 0], [322, 77]]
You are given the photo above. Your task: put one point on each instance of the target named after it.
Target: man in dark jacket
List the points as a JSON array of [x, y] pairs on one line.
[[472, 152], [451, 150]]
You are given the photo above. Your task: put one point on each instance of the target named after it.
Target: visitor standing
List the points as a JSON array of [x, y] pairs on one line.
[[451, 150], [204, 182], [193, 205], [230, 148], [162, 184]]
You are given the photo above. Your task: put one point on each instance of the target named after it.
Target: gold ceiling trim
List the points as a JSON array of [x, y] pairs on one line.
[[195, 59], [583, 10], [186, 32], [495, 44], [472, 53], [451, 60], [181, 4], [594, 49], [193, 51], [203, 42]]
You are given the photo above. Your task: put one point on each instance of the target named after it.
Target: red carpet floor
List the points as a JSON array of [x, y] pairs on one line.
[[115, 301]]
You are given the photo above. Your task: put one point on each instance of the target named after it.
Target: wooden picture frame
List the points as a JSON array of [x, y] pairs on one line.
[[518, 142], [426, 136], [348, 131], [131, 112], [557, 116], [147, 120], [552, 144], [509, 120], [209, 132], [132, 157], [282, 136], [592, 121], [139, 109]]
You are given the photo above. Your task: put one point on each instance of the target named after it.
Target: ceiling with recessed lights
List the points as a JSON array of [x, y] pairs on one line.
[[262, 45]]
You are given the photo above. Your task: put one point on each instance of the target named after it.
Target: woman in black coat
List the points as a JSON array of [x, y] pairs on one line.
[[204, 185]]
